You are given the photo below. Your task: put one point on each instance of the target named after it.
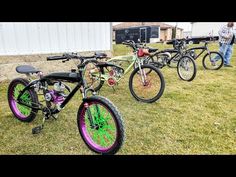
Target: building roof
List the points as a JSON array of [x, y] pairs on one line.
[[162, 25]]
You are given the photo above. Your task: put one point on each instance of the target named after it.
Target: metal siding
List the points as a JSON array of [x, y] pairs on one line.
[[99, 39], [53, 37], [36, 38], [95, 35], [43, 38], [103, 37], [8, 35], [83, 37], [90, 36], [62, 36], [2, 42], [71, 37], [33, 39], [106, 36], [109, 36], [77, 37]]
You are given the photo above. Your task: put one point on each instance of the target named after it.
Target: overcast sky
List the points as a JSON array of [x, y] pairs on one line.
[[185, 25]]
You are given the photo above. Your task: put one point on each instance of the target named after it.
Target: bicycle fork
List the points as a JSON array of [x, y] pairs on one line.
[[87, 106], [142, 72]]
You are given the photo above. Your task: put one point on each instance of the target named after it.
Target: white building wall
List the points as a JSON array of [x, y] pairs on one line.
[[206, 28], [42, 38]]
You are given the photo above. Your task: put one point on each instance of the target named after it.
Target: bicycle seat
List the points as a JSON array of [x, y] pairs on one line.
[[100, 55], [97, 55], [151, 50], [26, 69]]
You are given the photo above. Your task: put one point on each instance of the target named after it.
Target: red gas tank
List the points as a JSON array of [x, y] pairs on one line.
[[142, 52]]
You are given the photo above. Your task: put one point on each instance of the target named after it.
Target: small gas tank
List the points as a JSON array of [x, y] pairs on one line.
[[64, 76]]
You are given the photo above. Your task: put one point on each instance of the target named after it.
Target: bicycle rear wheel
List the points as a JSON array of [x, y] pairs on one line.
[[21, 112], [93, 77], [213, 61]]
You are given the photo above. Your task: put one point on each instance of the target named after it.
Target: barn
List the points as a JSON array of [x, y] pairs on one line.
[[43, 38]]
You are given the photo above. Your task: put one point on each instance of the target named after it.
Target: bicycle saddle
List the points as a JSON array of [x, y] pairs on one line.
[[151, 50], [97, 55], [26, 69], [100, 55]]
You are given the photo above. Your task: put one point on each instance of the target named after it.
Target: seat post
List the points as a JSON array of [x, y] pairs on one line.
[[28, 76]]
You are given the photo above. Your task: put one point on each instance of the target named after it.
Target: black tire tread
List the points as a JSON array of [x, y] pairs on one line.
[[161, 91], [118, 117], [204, 58], [101, 81], [195, 68]]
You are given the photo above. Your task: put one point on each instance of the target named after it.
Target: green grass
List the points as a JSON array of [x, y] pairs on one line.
[[197, 117]]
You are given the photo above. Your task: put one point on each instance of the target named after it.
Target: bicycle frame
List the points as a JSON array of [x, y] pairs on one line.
[[183, 52], [202, 48], [126, 58], [80, 80], [170, 51]]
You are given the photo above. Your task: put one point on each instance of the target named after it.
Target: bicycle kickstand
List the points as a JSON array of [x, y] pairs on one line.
[[38, 129]]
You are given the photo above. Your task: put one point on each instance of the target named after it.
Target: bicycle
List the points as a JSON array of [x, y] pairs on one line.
[[99, 122], [212, 60], [186, 66], [146, 82]]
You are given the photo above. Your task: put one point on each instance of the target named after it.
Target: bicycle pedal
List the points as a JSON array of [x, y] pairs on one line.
[[37, 130]]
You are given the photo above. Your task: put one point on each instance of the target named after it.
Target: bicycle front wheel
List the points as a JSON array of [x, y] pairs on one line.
[[145, 87], [100, 125], [186, 68]]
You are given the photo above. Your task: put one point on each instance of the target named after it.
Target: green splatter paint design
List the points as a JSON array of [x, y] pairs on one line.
[[105, 132], [25, 98]]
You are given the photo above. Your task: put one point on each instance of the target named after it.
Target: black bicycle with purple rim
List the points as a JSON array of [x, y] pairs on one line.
[[99, 122]]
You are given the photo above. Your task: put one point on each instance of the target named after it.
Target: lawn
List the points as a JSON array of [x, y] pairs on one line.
[[197, 117]]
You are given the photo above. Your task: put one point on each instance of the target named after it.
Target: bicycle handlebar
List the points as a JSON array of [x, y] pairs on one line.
[[56, 58], [68, 56], [65, 56], [133, 45]]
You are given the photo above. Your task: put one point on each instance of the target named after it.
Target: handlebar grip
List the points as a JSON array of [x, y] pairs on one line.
[[56, 58]]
